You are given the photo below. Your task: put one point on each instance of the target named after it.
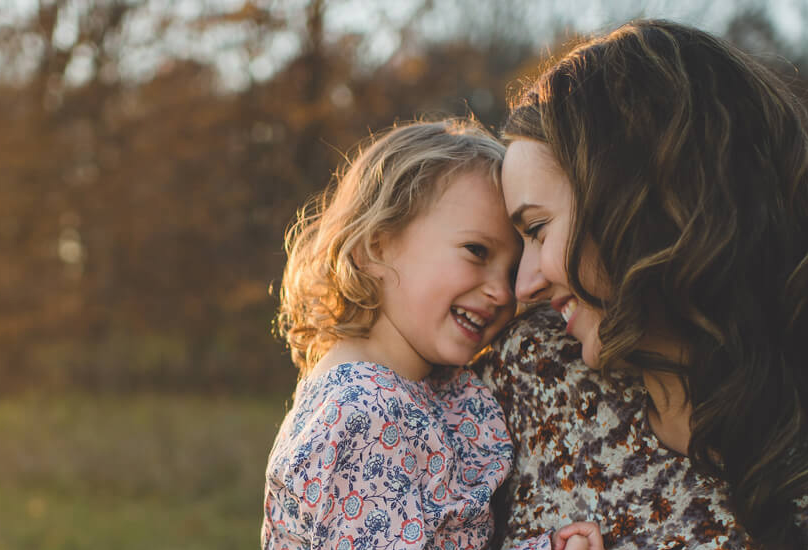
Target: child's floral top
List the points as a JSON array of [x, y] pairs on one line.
[[367, 459]]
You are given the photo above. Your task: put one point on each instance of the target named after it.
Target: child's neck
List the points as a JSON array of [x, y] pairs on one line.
[[383, 346]]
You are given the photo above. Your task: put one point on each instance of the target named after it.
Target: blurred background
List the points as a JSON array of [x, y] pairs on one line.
[[151, 155]]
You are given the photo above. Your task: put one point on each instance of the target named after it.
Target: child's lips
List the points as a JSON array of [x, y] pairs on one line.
[[467, 327]]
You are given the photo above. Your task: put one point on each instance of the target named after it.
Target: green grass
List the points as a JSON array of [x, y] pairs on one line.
[[138, 472]]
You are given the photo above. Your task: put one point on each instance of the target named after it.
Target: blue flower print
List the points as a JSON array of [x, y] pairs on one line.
[[412, 530], [312, 491], [482, 494], [409, 462], [351, 394], [320, 534], [387, 462], [469, 511], [477, 408], [331, 413], [399, 481], [329, 455], [389, 436], [377, 520], [384, 382], [439, 493], [415, 418], [373, 467], [343, 456], [352, 505], [358, 423], [344, 370], [393, 408], [298, 428], [291, 507], [435, 463], [469, 428], [303, 452]]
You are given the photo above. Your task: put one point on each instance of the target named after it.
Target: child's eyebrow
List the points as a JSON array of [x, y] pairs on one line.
[[487, 238], [482, 235]]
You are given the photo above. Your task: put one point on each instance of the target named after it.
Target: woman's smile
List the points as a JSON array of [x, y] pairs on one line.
[[538, 197]]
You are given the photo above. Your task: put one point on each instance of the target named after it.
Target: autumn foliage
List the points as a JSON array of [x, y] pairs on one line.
[[141, 220]]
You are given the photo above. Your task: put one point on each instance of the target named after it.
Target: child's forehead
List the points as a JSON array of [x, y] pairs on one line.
[[470, 189], [462, 176]]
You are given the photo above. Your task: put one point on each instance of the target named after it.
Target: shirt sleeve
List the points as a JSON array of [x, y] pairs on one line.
[[348, 480], [543, 542]]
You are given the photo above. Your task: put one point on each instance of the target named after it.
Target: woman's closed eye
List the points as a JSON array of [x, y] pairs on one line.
[[532, 231], [480, 251]]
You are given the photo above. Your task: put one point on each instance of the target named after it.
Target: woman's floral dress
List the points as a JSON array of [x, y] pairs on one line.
[[584, 451], [369, 460]]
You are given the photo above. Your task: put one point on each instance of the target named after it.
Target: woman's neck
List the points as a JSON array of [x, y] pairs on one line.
[[670, 414]]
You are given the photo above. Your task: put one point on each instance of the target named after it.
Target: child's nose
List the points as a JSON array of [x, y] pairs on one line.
[[498, 289]]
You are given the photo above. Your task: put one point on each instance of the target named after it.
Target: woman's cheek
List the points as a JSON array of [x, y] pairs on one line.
[[588, 324]]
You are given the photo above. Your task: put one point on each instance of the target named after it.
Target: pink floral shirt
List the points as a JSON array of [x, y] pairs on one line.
[[369, 460]]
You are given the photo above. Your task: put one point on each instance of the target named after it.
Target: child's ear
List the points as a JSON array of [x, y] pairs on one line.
[[369, 259]]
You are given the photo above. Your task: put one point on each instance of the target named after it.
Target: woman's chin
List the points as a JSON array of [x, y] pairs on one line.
[[590, 352]]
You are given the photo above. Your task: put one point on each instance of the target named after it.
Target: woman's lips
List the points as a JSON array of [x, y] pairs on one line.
[[569, 313], [566, 306]]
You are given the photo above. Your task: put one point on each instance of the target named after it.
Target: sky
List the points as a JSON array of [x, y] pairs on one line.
[[377, 21]]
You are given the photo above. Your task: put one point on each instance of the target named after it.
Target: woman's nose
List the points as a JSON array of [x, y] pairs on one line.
[[530, 281]]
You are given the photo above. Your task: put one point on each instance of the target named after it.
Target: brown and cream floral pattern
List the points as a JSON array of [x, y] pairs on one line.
[[585, 452]]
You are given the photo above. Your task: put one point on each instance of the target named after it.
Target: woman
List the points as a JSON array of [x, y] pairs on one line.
[[659, 178]]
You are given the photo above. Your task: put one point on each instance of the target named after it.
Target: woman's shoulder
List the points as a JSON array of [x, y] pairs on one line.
[[535, 359]]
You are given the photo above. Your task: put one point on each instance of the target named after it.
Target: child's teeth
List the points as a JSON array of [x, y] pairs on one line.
[[471, 316], [569, 309], [474, 318], [468, 325]]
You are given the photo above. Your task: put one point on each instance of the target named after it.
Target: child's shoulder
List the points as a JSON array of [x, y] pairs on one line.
[[361, 373], [354, 401], [353, 383]]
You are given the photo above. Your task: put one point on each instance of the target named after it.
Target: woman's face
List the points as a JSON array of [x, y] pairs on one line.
[[538, 197]]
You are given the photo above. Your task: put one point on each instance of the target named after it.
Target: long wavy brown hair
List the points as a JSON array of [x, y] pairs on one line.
[[325, 294], [689, 167]]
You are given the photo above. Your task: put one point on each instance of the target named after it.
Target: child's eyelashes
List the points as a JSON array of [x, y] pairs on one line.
[[480, 251]]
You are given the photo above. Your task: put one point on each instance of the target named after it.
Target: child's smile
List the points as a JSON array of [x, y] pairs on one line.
[[471, 322]]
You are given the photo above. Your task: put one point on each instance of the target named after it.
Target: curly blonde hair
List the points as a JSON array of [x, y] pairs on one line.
[[325, 295]]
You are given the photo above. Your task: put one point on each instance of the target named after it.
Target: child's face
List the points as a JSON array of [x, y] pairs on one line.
[[449, 285]]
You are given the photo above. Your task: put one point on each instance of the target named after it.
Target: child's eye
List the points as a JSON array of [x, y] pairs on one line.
[[477, 249]]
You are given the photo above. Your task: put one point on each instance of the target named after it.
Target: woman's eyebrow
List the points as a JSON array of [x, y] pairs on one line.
[[516, 217]]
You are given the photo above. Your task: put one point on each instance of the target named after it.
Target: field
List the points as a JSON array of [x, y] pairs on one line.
[[151, 472]]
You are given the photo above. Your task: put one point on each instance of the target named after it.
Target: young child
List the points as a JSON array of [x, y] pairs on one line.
[[404, 269]]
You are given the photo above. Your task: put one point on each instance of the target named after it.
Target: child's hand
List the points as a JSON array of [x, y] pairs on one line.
[[581, 535]]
